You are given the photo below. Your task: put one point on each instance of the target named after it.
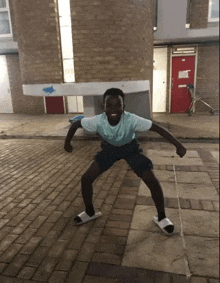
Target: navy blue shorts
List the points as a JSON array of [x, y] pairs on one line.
[[131, 152]]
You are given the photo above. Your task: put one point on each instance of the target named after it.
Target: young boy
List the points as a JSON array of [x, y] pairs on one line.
[[117, 130]]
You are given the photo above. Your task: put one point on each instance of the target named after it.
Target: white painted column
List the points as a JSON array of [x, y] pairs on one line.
[[89, 106], [159, 79], [5, 92]]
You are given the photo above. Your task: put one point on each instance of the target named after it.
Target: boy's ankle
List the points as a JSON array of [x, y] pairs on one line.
[[90, 210], [161, 216]]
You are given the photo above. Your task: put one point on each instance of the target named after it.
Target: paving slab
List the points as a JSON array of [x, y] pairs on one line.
[[170, 157], [203, 256], [215, 155], [187, 191], [193, 177], [199, 124], [176, 161], [169, 189], [198, 191], [143, 218], [191, 161], [200, 223], [164, 175], [171, 153], [154, 251]]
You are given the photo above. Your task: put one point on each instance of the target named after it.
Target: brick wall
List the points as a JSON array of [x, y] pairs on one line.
[[112, 40], [22, 104], [198, 14], [38, 41], [208, 76]]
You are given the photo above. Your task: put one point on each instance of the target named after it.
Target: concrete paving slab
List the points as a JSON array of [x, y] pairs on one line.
[[200, 124], [203, 126], [154, 251], [186, 191], [170, 153], [160, 153], [8, 125], [164, 175], [176, 161], [204, 145], [170, 157], [197, 191], [191, 153], [191, 161], [193, 177], [169, 189], [203, 256], [200, 223], [142, 219], [215, 155]]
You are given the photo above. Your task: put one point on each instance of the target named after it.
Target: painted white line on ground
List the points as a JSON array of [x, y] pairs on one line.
[[188, 274]]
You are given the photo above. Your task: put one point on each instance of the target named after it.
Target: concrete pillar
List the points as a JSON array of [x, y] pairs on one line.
[[38, 39], [113, 41], [88, 103]]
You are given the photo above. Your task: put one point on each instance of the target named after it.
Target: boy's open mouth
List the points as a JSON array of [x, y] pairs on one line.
[[114, 118]]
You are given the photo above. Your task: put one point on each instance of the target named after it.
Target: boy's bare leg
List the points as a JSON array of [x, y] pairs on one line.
[[88, 178], [157, 195]]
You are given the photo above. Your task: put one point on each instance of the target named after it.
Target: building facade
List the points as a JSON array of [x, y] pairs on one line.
[[71, 50], [186, 51]]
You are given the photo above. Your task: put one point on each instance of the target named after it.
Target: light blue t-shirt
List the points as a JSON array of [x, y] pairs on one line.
[[122, 133]]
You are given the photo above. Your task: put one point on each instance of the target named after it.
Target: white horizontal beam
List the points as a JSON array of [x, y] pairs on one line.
[[84, 89]]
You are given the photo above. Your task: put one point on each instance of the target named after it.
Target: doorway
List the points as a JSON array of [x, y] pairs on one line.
[[183, 73], [5, 92], [75, 104], [54, 105]]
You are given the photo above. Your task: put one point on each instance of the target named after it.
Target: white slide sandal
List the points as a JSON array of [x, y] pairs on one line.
[[86, 218], [163, 224]]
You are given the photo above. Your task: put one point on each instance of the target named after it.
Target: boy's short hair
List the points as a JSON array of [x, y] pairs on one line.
[[114, 92]]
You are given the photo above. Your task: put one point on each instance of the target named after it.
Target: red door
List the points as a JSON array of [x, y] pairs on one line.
[[54, 105], [183, 69]]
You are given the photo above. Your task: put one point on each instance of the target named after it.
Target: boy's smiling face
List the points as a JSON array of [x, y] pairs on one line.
[[114, 107]]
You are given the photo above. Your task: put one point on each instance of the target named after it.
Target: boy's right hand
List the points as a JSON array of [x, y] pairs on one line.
[[180, 150], [68, 147]]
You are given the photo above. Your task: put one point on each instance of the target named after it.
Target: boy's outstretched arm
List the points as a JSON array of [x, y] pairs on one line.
[[70, 134], [180, 149]]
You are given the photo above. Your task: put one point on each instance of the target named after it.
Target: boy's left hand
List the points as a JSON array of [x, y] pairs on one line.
[[181, 151], [68, 147]]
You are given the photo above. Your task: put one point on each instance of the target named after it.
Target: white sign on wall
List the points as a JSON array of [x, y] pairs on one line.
[[84, 89]]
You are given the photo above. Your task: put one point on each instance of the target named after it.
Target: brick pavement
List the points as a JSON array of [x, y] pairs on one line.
[[39, 197]]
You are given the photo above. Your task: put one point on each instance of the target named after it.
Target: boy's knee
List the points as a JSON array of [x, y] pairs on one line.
[[149, 176]]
